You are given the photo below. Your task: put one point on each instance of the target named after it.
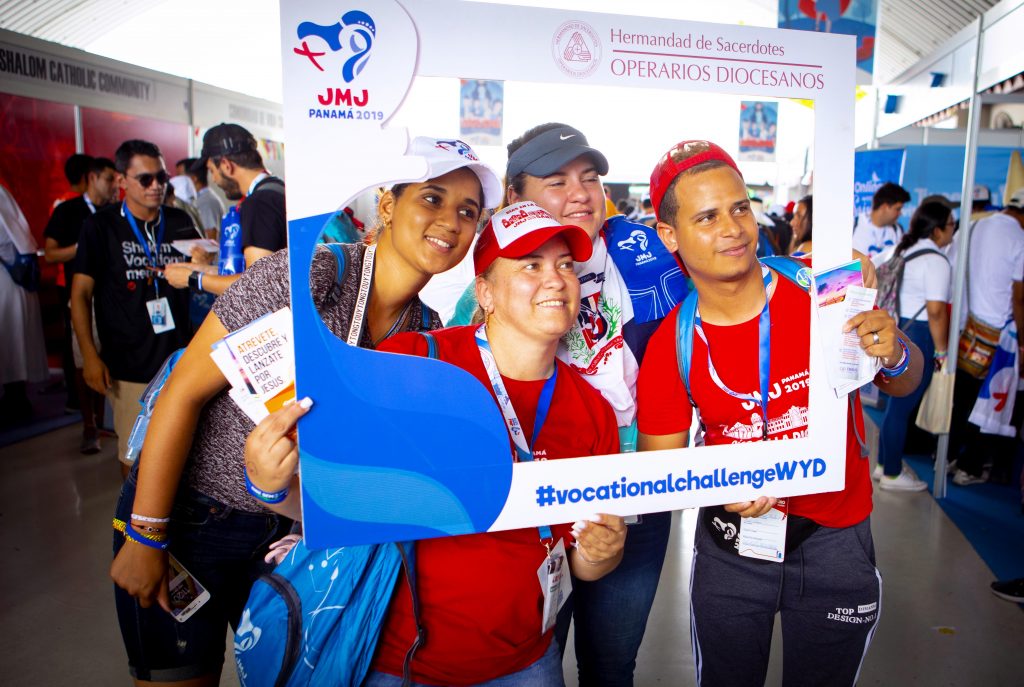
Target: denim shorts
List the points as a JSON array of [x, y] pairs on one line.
[[223, 548]]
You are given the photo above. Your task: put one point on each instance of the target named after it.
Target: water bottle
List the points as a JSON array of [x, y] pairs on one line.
[[232, 261]]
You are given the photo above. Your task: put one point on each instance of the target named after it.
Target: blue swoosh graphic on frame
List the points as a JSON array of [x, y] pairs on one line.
[[377, 413]]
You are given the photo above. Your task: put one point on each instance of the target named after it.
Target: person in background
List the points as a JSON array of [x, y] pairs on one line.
[[211, 209], [801, 243], [61, 234], [878, 230], [923, 297], [76, 171], [22, 355], [140, 321], [995, 299], [647, 214]]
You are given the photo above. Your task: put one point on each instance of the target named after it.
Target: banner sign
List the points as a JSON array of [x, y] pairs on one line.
[[759, 123], [480, 111], [852, 17], [398, 447], [871, 169]]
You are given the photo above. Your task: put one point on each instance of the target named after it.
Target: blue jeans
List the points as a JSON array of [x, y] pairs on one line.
[[546, 671], [893, 432], [611, 613], [223, 548]]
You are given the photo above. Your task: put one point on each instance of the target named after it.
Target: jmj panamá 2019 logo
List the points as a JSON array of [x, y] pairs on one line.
[[576, 49], [339, 49]]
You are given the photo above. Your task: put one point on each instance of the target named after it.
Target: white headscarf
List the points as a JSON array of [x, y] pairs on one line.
[[14, 224]]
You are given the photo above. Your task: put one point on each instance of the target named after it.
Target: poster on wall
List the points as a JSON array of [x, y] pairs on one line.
[[427, 453], [851, 17], [871, 169], [481, 105], [758, 130]]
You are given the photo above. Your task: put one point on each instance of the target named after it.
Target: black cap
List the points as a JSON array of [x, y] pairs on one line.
[[224, 139], [548, 152]]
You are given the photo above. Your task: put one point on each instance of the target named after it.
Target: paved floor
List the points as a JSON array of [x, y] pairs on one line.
[[940, 624]]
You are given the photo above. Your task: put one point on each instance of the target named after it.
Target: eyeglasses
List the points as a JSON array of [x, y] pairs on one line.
[[146, 180]]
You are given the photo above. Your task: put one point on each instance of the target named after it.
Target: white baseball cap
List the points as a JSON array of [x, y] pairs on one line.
[[521, 228], [447, 155], [1017, 200]]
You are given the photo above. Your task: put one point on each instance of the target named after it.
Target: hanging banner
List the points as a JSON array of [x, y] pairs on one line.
[[871, 169], [758, 129], [851, 17], [480, 111], [398, 447]]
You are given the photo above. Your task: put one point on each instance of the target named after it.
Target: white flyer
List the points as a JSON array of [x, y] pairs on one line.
[[839, 295]]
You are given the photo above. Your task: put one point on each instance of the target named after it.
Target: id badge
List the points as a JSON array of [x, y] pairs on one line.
[[160, 315], [765, 537], [555, 581]]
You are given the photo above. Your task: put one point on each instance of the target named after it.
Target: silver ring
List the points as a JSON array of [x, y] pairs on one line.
[[875, 336]]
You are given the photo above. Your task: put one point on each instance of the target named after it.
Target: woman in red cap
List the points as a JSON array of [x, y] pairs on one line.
[[479, 598]]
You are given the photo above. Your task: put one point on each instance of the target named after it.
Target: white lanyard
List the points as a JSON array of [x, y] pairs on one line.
[[355, 330]]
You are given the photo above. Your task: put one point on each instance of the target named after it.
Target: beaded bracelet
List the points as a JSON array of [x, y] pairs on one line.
[[146, 518], [900, 367], [270, 497]]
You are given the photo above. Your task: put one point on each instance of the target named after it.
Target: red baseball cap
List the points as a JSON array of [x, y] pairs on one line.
[[681, 157], [521, 228]]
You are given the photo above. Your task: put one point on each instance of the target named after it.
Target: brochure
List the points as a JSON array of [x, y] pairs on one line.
[[839, 295]]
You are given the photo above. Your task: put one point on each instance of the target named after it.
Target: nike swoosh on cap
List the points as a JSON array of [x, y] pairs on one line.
[[565, 138]]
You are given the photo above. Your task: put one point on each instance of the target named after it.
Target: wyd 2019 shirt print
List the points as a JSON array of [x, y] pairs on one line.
[[664, 408], [109, 253], [630, 283]]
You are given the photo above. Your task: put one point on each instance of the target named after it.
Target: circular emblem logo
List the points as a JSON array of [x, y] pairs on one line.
[[576, 49], [803, 277]]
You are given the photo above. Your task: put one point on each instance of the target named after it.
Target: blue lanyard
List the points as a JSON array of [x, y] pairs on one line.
[[145, 243], [524, 451], [764, 355]]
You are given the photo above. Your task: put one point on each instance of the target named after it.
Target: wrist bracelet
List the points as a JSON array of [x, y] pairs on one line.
[[900, 367], [941, 354], [146, 518], [131, 535], [270, 497]]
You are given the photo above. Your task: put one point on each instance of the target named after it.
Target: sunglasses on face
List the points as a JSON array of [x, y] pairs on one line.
[[146, 180]]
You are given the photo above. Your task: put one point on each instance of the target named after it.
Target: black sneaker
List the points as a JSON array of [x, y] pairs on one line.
[[1011, 590]]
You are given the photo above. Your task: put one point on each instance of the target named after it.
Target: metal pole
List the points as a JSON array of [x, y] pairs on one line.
[[960, 275]]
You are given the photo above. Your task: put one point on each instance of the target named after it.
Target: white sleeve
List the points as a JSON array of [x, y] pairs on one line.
[[1018, 260], [938, 278], [862, 238]]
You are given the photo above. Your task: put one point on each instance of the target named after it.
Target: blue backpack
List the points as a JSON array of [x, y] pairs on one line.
[[316, 619]]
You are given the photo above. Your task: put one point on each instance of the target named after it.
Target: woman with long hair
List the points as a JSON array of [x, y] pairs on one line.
[[187, 494], [801, 243], [924, 293], [479, 601]]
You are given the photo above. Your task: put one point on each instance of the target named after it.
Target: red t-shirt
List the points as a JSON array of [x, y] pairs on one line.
[[480, 599], [662, 406]]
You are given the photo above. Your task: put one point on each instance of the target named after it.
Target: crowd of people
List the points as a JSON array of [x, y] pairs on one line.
[[577, 339]]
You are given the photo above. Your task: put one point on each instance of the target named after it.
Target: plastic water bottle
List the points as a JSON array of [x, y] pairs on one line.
[[232, 261]]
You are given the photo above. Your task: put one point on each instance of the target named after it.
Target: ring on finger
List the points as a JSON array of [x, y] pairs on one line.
[[874, 336]]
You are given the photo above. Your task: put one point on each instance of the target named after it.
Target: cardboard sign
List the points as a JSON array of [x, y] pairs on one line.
[[399, 448]]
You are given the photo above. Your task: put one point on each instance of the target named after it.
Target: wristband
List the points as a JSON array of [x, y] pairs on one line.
[[131, 535], [146, 518], [901, 366], [200, 280], [941, 354], [270, 497]]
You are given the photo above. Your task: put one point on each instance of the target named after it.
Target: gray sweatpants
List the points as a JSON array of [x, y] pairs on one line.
[[827, 590]]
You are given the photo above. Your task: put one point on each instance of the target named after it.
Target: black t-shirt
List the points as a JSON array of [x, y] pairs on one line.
[[109, 253], [65, 225], [262, 216]]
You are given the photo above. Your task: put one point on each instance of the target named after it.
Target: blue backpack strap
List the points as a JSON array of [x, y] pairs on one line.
[[790, 268], [431, 344], [339, 259], [685, 319]]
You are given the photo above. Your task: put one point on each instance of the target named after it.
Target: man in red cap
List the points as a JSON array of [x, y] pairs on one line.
[[752, 332]]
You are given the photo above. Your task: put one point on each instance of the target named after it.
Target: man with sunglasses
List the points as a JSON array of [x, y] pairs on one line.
[[751, 341], [122, 251]]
